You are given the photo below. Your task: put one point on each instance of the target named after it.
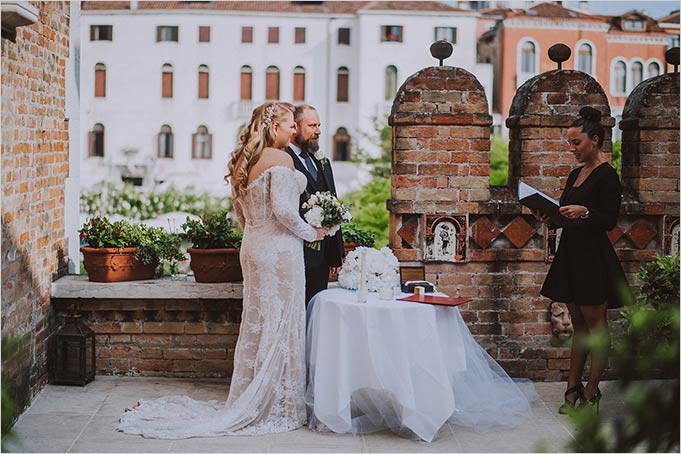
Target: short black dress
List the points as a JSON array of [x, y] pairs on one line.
[[585, 270]]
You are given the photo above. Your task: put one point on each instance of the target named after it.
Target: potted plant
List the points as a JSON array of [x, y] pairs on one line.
[[215, 248], [120, 251], [354, 236]]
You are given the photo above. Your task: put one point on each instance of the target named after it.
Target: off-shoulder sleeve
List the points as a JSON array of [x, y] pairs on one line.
[[284, 198], [239, 214]]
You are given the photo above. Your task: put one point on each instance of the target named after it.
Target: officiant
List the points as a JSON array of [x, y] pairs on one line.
[[308, 159]]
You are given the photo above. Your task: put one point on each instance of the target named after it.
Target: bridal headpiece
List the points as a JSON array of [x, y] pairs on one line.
[[269, 114]]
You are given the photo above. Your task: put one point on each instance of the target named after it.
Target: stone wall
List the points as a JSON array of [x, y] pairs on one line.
[[34, 168]]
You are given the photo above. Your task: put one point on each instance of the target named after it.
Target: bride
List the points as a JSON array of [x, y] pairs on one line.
[[268, 385]]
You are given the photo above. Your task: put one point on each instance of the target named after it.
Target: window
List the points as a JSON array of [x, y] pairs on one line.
[[272, 83], [653, 69], [299, 83], [100, 80], [620, 73], [246, 34], [342, 84], [101, 32], [273, 35], [204, 34], [446, 33], [300, 35], [165, 142], [673, 41], [203, 82], [636, 73], [527, 57], [167, 81], [341, 145], [634, 25], [96, 140], [167, 33], [246, 83], [390, 82], [391, 33], [585, 58], [344, 36], [202, 143]]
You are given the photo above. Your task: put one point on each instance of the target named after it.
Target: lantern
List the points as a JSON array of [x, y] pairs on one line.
[[72, 353]]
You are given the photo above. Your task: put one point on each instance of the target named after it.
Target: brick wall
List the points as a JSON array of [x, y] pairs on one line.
[[440, 171], [34, 167], [161, 337]]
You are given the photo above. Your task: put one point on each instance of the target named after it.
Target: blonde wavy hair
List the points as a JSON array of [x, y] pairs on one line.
[[254, 137]]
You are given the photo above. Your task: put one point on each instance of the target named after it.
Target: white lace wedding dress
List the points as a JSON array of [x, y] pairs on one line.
[[267, 393]]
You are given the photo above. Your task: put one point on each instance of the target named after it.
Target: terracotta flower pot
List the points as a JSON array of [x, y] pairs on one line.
[[215, 265], [115, 265], [347, 247]]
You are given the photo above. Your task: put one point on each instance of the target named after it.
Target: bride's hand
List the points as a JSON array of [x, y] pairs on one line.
[[321, 232]]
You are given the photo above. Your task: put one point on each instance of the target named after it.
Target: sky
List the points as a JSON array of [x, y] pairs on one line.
[[655, 9]]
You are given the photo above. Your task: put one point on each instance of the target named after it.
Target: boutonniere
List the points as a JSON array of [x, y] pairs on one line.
[[319, 156]]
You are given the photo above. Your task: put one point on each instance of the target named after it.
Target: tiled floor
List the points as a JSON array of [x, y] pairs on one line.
[[75, 419]]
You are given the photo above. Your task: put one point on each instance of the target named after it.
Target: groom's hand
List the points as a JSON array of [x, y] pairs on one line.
[[335, 269]]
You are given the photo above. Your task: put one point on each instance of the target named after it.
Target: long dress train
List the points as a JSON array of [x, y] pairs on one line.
[[268, 385]]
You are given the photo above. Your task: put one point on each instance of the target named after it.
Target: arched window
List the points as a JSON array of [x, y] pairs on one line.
[[165, 142], [96, 140], [528, 53], [636, 73], [272, 83], [246, 83], [203, 82], [167, 81], [653, 69], [342, 84], [390, 82], [299, 83], [100, 80], [341, 145], [585, 58], [620, 77], [202, 143]]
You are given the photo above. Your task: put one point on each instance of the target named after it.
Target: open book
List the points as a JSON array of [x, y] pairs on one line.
[[537, 200]]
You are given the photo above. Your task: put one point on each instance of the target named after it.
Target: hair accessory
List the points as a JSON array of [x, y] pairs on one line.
[[269, 114]]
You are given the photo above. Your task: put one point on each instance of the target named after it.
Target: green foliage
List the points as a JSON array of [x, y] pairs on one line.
[[617, 157], [649, 421], [380, 136], [11, 348], [498, 162], [368, 208], [353, 233], [133, 202], [212, 231], [152, 243]]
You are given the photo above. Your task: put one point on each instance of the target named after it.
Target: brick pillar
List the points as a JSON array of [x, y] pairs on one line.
[[542, 111]]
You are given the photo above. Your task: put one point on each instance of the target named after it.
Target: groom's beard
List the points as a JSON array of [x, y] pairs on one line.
[[310, 145]]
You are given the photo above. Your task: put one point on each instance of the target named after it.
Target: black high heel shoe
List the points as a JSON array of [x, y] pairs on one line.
[[594, 402], [569, 405]]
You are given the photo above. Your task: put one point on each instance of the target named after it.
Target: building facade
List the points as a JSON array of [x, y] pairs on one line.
[[618, 51], [167, 85]]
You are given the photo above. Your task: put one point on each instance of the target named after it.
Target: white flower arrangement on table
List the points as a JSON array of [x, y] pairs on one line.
[[381, 269], [324, 210]]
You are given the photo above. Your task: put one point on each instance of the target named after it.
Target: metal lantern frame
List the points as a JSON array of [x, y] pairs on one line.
[[72, 353]]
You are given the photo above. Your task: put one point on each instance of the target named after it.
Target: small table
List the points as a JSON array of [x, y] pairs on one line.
[[381, 363]]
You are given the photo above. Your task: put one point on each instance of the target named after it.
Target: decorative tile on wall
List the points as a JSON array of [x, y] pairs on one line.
[[671, 235], [446, 238]]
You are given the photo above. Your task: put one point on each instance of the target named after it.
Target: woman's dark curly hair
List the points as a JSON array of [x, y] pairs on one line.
[[590, 122]]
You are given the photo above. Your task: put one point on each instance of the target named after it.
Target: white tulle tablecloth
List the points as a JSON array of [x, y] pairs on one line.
[[405, 366]]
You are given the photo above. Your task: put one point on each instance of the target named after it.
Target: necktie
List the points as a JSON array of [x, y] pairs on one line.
[[310, 165]]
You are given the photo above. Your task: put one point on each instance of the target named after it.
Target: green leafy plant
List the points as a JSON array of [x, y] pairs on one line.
[[498, 162], [213, 231], [354, 233], [152, 243], [14, 352], [617, 157], [369, 208]]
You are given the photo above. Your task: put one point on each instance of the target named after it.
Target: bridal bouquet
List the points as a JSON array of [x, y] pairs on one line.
[[324, 210], [379, 269]]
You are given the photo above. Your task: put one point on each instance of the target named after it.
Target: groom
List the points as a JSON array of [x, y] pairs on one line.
[[319, 178]]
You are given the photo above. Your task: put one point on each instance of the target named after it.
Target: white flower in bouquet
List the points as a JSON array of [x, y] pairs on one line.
[[381, 269], [324, 210]]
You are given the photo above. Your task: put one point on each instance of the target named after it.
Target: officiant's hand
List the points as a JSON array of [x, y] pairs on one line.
[[321, 233], [573, 211], [539, 216]]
